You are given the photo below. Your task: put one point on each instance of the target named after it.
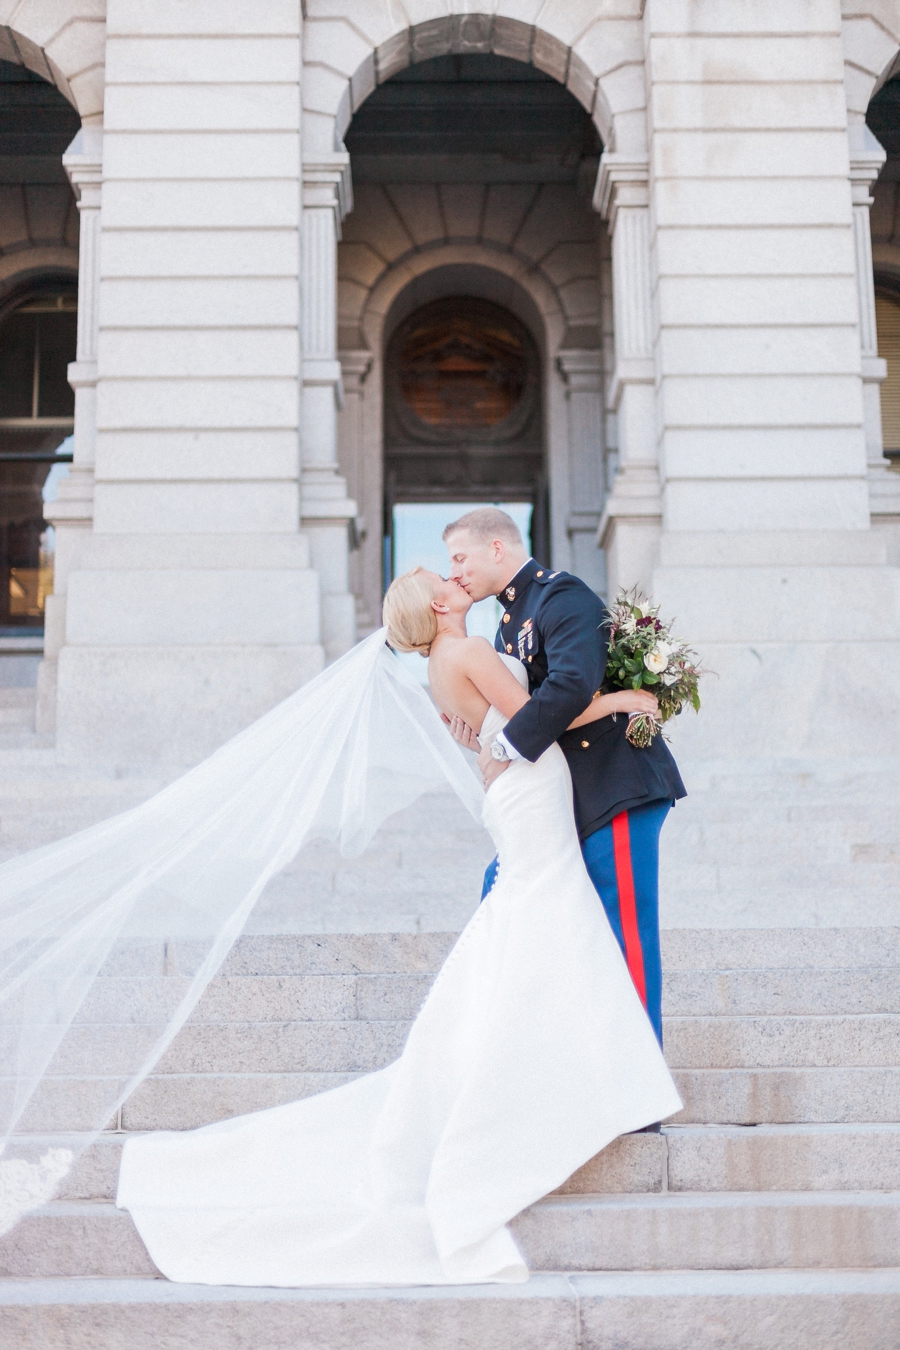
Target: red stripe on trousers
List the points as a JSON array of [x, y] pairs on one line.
[[627, 908]]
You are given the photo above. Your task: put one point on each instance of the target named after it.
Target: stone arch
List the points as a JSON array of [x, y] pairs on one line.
[[64, 44], [871, 39], [349, 50], [430, 273]]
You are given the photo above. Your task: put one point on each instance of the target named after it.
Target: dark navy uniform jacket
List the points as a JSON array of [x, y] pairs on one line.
[[556, 625]]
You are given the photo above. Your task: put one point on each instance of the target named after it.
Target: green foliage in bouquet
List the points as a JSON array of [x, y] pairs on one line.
[[644, 655]]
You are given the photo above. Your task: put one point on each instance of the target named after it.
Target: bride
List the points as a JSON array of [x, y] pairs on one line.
[[531, 1053]]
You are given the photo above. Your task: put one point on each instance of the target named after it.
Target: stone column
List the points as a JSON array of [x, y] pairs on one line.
[[364, 485], [582, 370], [327, 513], [866, 161], [631, 522], [73, 511]]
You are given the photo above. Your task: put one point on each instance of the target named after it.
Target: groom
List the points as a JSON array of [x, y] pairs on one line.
[[555, 625]]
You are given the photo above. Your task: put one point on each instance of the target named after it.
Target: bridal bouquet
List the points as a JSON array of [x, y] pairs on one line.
[[644, 655]]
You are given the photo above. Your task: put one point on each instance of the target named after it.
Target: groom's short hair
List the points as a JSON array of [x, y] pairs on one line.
[[485, 524]]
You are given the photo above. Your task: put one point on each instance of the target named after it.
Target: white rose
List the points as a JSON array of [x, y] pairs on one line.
[[655, 661], [663, 648], [670, 678]]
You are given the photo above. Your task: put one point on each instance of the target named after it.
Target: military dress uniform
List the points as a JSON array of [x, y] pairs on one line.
[[556, 626]]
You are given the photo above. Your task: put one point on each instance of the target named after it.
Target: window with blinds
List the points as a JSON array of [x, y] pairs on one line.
[[887, 318]]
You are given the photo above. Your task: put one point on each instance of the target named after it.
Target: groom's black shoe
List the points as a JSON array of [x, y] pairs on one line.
[[648, 1129]]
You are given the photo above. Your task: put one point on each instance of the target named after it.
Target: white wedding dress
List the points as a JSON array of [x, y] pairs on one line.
[[531, 1054]]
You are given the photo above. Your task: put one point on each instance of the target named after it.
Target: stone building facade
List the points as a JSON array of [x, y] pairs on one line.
[[670, 200]]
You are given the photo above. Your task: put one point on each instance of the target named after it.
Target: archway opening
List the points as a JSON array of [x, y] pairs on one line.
[[480, 157], [883, 119], [38, 304]]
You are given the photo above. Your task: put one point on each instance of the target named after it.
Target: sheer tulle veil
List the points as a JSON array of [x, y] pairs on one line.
[[84, 920]]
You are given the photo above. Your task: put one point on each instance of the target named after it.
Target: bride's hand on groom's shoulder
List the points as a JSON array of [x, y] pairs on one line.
[[462, 733]]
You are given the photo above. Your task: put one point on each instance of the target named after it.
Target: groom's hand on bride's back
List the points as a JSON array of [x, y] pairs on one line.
[[462, 733]]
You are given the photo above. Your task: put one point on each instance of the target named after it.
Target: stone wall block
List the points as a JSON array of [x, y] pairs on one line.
[[252, 454], [275, 18], [224, 60], [764, 251], [580, 301], [814, 202], [775, 504], [512, 38], [505, 209], [763, 452], [189, 302], [189, 608], [359, 263], [48, 207], [195, 155], [610, 43], [327, 93], [363, 80], [738, 350], [550, 55], [717, 301], [374, 217], [786, 401], [429, 39], [340, 47], [209, 107], [351, 302], [419, 208], [736, 17], [200, 253], [471, 34], [570, 262], [189, 205], [216, 507], [13, 220], [392, 55], [744, 154], [581, 82], [755, 106], [462, 205], [751, 58], [200, 353], [624, 89], [78, 47], [201, 403]]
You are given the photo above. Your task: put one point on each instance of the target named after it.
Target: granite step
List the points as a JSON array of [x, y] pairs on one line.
[[687, 1231], [679, 1158], [345, 996], [682, 1310], [364, 1044]]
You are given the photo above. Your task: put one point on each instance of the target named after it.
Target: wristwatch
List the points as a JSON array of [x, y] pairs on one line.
[[498, 752]]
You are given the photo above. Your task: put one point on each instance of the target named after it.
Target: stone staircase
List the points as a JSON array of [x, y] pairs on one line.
[[766, 1214]]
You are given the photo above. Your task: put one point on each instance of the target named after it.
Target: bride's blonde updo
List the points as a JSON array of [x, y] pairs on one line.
[[407, 612]]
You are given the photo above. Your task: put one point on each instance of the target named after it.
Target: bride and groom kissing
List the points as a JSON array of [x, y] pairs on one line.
[[540, 1040]]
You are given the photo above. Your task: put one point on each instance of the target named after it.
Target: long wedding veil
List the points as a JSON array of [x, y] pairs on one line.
[[169, 885]]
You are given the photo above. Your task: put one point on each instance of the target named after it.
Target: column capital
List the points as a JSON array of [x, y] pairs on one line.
[[581, 368], [622, 180], [355, 366], [327, 185], [867, 157], [83, 163]]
